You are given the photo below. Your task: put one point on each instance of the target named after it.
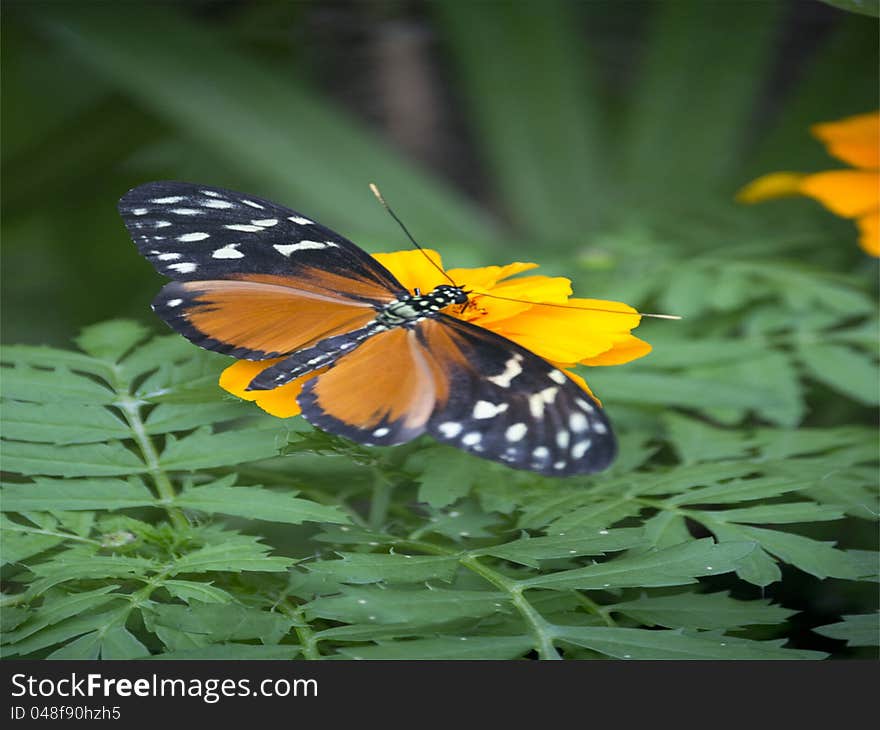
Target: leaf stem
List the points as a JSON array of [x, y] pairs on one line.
[[380, 501], [307, 639]]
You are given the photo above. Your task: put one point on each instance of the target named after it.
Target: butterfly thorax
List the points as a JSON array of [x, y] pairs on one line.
[[414, 307]]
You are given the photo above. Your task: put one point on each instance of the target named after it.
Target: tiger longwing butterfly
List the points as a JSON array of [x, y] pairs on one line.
[[256, 280]]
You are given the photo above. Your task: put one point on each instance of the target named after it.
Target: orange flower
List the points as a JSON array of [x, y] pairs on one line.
[[564, 336], [848, 193]]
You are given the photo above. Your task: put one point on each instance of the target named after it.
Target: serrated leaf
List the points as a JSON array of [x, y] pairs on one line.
[[463, 521], [220, 622], [86, 647], [666, 644], [696, 441], [445, 476], [700, 611], [531, 550], [75, 494], [599, 515], [41, 356], [353, 535], [445, 647], [741, 490], [167, 417], [230, 558], [391, 606], [75, 564], [112, 339], [58, 385], [232, 651], [393, 568], [64, 630], [189, 591], [80, 460], [844, 369], [855, 630], [20, 545], [119, 643], [258, 504], [788, 512], [61, 423], [206, 450], [817, 558], [676, 565]]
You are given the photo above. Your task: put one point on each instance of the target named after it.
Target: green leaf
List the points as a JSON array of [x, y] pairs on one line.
[[676, 565], [848, 371], [218, 623], [233, 557], [445, 647], [61, 423], [531, 550], [390, 606], [257, 503], [665, 644], [88, 460], [444, 476], [65, 630], [112, 339], [817, 558], [167, 417], [41, 356], [393, 568], [189, 591], [863, 7], [119, 643], [855, 630], [232, 651], [778, 513], [700, 611], [696, 441], [58, 385], [78, 494], [741, 490], [86, 647], [76, 563], [19, 544], [206, 450]]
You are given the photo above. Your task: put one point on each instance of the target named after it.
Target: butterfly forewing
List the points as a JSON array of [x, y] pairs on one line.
[[509, 405]]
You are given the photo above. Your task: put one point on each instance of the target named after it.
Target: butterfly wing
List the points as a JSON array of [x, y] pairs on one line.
[[507, 404], [382, 393], [253, 279]]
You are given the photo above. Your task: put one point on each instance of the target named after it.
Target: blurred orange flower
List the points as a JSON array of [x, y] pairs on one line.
[[851, 193], [564, 336]]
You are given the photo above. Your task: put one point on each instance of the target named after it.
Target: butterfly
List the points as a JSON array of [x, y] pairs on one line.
[[256, 280]]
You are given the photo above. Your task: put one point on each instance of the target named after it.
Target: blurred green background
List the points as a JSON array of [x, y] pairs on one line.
[[603, 140]]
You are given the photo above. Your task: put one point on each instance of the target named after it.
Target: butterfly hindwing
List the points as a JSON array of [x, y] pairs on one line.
[[509, 405]]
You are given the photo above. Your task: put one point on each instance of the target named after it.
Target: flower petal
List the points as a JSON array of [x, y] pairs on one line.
[[625, 350], [869, 230], [847, 193], [767, 187], [486, 277], [571, 335], [413, 268], [582, 383], [855, 140], [280, 402]]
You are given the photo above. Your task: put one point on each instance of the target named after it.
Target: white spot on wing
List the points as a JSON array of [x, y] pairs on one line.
[[210, 193], [578, 422], [243, 227], [288, 248], [220, 204], [380, 432], [512, 368], [189, 237], [174, 302], [450, 429], [485, 409], [557, 376], [516, 431], [139, 211], [187, 267], [161, 224], [562, 439], [168, 200], [169, 256], [580, 448], [588, 407], [539, 400], [228, 252], [299, 219], [599, 427], [266, 222], [186, 211], [253, 204], [541, 453], [469, 439]]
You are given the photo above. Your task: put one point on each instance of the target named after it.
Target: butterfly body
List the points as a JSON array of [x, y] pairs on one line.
[[259, 281]]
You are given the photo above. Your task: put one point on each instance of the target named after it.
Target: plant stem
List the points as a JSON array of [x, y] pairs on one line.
[[307, 640], [381, 500], [132, 411]]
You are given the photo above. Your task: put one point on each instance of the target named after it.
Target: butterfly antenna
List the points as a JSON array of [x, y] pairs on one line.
[[415, 243], [583, 309]]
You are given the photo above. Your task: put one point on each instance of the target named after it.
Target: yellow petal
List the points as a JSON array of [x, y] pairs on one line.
[[486, 277], [847, 193], [413, 268], [625, 350], [869, 233], [767, 187], [855, 140], [571, 335], [488, 311], [280, 402], [582, 384]]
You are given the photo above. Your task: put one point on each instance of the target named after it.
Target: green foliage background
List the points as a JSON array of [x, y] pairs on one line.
[[145, 513]]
